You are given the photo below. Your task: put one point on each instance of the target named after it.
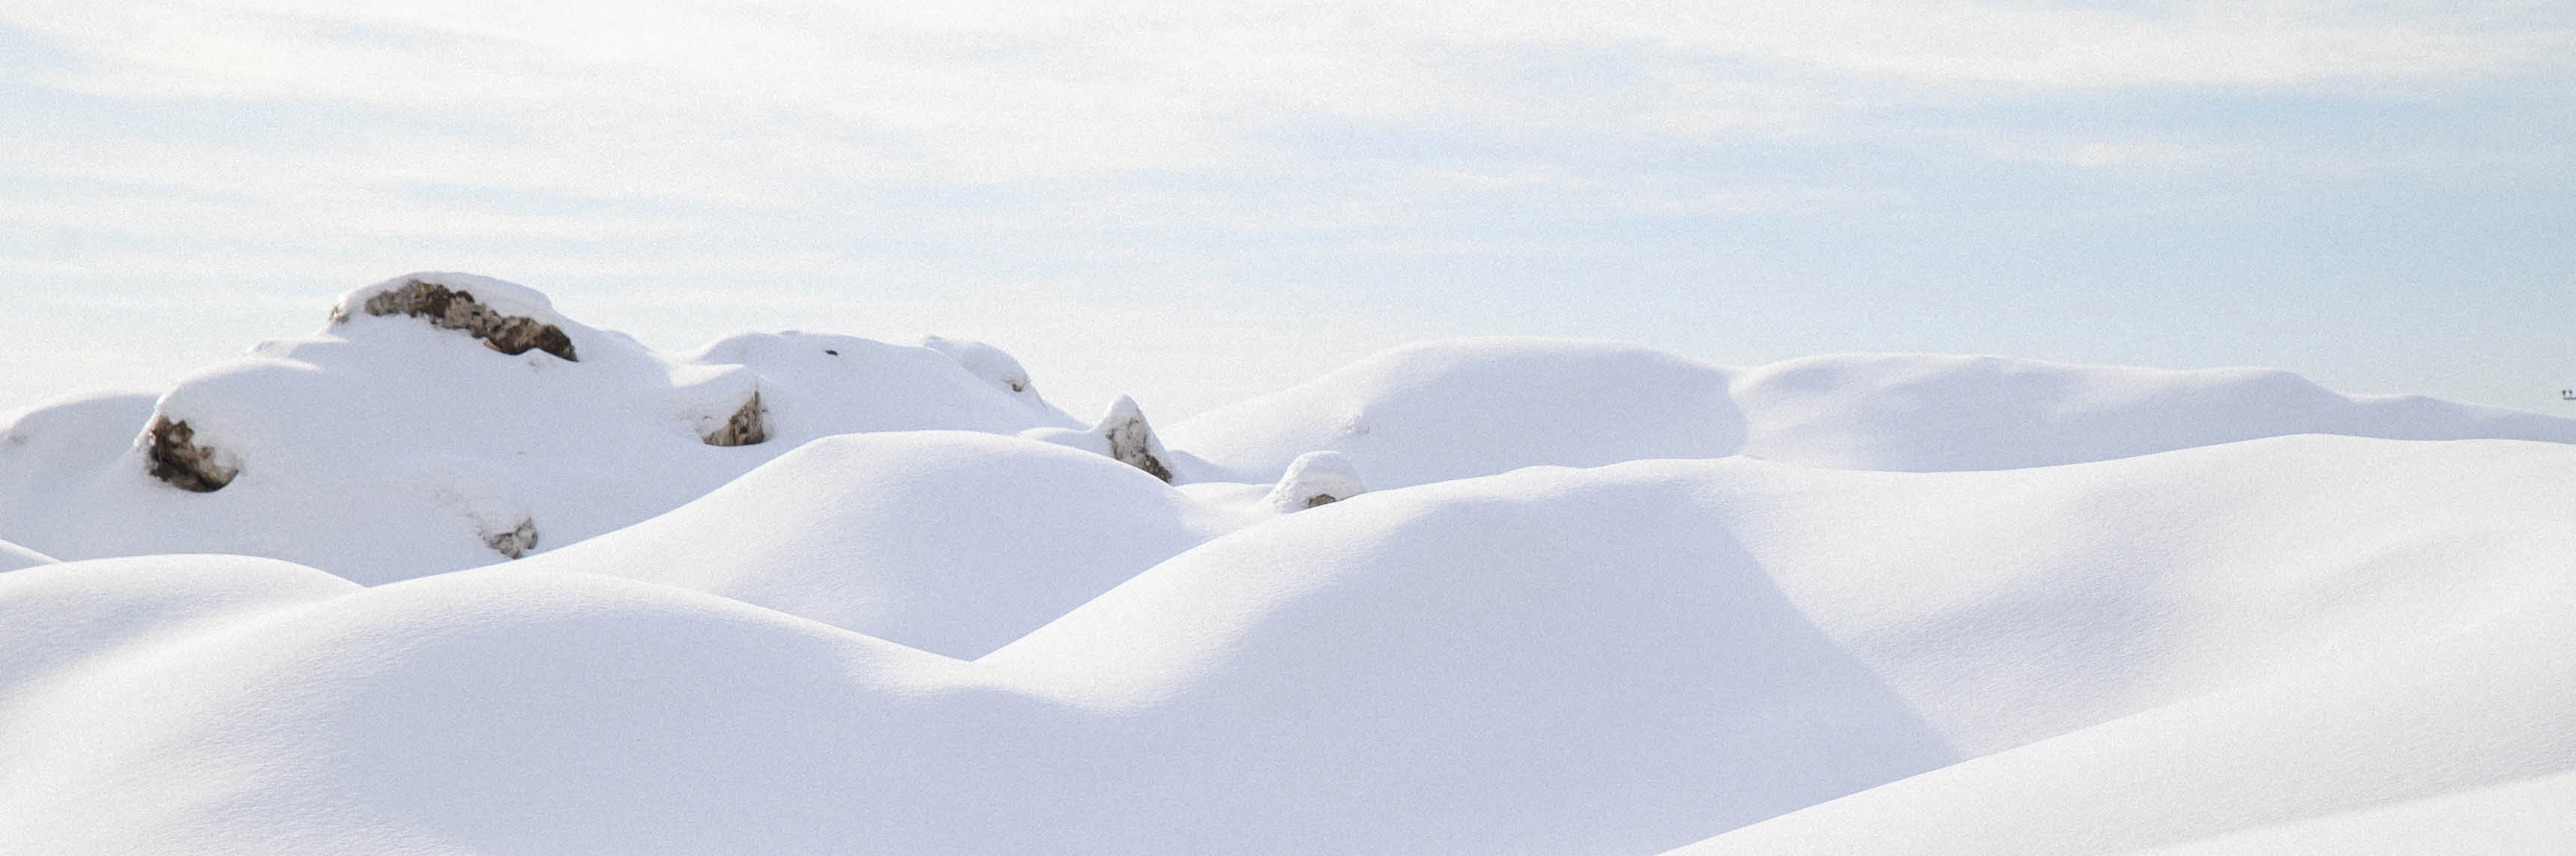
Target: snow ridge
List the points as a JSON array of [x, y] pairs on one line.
[[797, 592]]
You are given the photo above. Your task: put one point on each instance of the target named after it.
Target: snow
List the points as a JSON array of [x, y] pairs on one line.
[[384, 448], [1566, 597], [13, 557], [2492, 705], [951, 542], [1313, 479], [1453, 409]]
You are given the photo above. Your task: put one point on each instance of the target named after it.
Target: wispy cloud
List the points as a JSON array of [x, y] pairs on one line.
[[1298, 154]]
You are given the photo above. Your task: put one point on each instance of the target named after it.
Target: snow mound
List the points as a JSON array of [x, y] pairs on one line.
[[508, 318], [950, 542], [2492, 706], [1619, 659], [1926, 413], [1604, 599], [410, 440], [1445, 410]]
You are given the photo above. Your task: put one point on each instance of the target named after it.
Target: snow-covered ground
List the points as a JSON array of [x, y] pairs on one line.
[[397, 589]]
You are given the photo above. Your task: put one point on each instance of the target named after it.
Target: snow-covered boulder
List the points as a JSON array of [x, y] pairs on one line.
[[1315, 478], [987, 362], [509, 318], [1121, 435]]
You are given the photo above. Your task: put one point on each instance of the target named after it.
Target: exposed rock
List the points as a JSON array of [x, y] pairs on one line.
[[747, 426], [176, 458], [457, 310], [516, 542], [1129, 439], [1316, 478]]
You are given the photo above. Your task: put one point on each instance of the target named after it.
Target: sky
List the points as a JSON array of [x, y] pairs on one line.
[[1197, 203]]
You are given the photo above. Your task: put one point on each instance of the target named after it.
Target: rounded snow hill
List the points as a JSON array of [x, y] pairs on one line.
[[1470, 407], [57, 615], [1922, 413], [1444, 410], [951, 542], [407, 437], [1617, 659]]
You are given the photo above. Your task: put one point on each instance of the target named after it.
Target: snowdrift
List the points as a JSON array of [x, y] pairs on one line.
[[950, 542], [1455, 409], [1621, 659], [508, 583]]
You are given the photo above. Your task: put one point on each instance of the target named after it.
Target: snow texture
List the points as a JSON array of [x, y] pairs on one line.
[[1601, 600]]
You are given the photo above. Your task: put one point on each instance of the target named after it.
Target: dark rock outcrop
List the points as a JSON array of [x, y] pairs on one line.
[[176, 458], [1131, 440], [516, 542], [749, 425], [457, 310]]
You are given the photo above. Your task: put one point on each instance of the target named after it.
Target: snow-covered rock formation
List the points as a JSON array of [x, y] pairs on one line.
[[1315, 478], [440, 421], [1121, 434]]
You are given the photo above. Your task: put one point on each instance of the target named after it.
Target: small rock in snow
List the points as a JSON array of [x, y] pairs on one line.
[[749, 425], [517, 542], [1131, 440], [176, 458], [1316, 478]]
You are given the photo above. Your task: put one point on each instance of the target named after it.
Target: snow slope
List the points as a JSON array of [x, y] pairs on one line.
[[1621, 659], [1489, 596], [951, 542], [2488, 707], [13, 557]]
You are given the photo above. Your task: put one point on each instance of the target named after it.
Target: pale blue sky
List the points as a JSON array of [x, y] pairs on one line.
[[1200, 202]]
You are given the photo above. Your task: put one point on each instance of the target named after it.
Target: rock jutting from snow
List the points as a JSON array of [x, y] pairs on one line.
[[515, 543], [176, 458], [1131, 440], [749, 425], [456, 309], [1316, 478]]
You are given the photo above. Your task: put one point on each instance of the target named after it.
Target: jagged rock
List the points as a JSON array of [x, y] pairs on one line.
[[516, 542], [176, 458], [747, 426], [455, 309], [1130, 440], [1316, 478]]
